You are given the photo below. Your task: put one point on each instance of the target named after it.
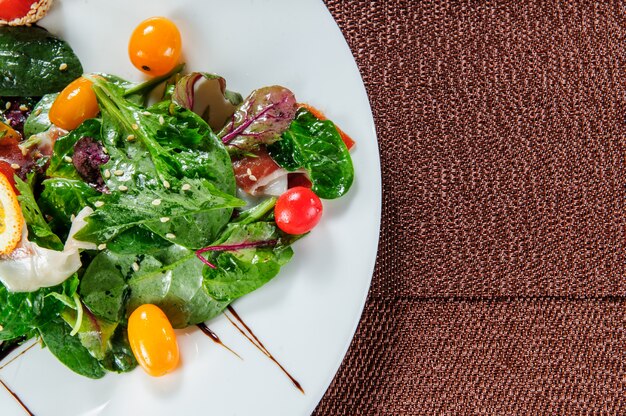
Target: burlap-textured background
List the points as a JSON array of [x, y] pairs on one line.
[[500, 285]]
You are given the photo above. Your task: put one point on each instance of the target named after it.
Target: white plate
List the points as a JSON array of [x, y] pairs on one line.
[[308, 314]]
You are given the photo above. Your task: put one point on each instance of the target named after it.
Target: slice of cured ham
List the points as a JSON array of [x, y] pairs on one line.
[[259, 175]]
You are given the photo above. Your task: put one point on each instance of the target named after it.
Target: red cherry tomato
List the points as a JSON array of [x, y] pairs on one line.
[[155, 46], [75, 104], [153, 340], [298, 210]]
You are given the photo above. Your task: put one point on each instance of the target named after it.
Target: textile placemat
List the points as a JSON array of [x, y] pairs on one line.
[[500, 284]]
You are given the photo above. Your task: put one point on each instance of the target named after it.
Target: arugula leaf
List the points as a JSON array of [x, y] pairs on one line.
[[39, 231], [61, 198], [260, 119], [61, 165], [243, 271], [22, 312], [190, 217], [316, 146], [69, 350], [38, 120], [31, 57]]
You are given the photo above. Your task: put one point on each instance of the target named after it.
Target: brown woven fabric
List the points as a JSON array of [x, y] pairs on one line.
[[500, 283]]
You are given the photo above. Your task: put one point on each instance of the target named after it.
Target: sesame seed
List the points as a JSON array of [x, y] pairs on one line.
[[98, 204], [252, 178], [102, 246], [135, 266], [15, 166], [146, 113], [134, 127], [72, 217], [63, 67], [107, 173], [105, 151], [23, 108], [165, 219], [248, 172], [185, 187], [123, 188], [118, 172], [130, 137], [170, 236], [7, 105], [37, 112], [67, 159], [156, 202], [166, 184], [161, 120]]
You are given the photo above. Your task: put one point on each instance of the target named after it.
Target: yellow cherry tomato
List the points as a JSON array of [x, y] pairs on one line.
[[7, 132], [155, 46], [152, 340], [75, 104]]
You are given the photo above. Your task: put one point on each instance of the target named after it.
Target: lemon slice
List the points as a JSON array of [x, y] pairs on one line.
[[11, 219]]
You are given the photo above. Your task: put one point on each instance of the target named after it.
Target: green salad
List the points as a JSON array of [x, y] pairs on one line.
[[129, 194]]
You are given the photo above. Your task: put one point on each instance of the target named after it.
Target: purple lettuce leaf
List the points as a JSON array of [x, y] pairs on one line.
[[261, 118], [211, 100]]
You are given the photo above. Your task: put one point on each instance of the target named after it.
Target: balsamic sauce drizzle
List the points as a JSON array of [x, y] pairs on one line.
[[17, 399], [209, 333], [5, 354], [257, 343], [17, 356]]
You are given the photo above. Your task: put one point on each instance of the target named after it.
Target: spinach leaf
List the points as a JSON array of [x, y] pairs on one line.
[[103, 287], [191, 217], [61, 198], [22, 312], [245, 270], [172, 280], [61, 165], [38, 120], [260, 119], [135, 240], [93, 333], [316, 146], [39, 231], [178, 142], [69, 350], [115, 284], [31, 62], [119, 357]]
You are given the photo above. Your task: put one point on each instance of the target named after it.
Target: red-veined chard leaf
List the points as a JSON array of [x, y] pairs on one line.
[[261, 118], [209, 99]]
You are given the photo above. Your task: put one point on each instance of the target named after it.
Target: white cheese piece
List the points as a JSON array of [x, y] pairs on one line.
[[30, 267]]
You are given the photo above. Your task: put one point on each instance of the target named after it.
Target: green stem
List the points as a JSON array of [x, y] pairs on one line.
[[149, 85], [256, 213], [79, 315]]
